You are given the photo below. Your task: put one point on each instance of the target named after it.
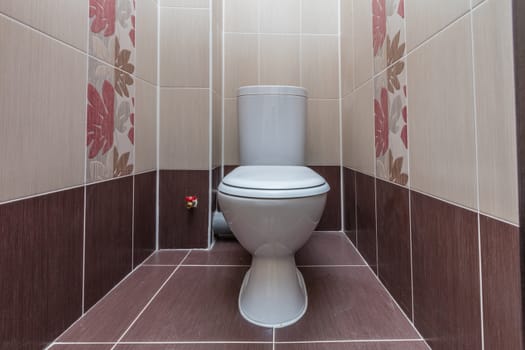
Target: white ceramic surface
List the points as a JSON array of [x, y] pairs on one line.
[[272, 203]]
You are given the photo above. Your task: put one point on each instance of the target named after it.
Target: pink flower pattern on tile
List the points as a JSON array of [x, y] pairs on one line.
[[379, 24], [132, 31], [391, 112], [100, 120], [103, 14], [401, 9], [112, 41], [381, 123]]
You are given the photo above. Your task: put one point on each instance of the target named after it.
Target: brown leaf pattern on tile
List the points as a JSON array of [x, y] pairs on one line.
[[117, 50], [120, 164], [395, 170], [391, 162]]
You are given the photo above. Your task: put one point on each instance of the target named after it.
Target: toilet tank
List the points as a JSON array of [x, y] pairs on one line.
[[272, 125]]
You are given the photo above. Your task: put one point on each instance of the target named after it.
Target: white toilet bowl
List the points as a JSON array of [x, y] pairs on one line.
[[272, 210]]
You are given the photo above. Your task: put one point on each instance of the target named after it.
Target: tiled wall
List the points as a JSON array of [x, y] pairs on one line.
[[78, 138], [430, 167], [288, 42], [190, 118], [285, 42]]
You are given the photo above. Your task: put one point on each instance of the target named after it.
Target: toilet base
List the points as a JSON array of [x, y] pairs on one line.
[[273, 292]]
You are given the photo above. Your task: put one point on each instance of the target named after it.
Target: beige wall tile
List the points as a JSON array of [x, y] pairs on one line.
[[441, 123], [347, 48], [280, 16], [184, 129], [496, 114], [280, 59], [320, 16], [217, 130], [426, 18], [185, 3], [241, 16], [363, 50], [322, 137], [240, 62], [66, 20], [217, 45], [231, 132], [476, 2], [184, 47], [320, 62], [145, 126], [146, 40], [42, 109], [358, 130]]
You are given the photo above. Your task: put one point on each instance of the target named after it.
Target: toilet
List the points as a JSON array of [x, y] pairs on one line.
[[272, 202]]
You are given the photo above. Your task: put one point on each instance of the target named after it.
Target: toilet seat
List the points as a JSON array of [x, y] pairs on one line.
[[273, 182]]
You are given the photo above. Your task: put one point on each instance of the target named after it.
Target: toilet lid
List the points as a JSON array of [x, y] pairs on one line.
[[273, 182]]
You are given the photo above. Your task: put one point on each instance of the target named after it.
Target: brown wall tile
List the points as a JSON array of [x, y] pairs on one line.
[[446, 274], [366, 219], [393, 242], [41, 268], [109, 207], [501, 284], [350, 223], [178, 226], [144, 216], [331, 219]]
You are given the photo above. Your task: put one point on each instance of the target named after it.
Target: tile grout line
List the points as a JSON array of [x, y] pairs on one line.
[[391, 297], [211, 116], [150, 301], [409, 184], [85, 167], [340, 98], [223, 4], [355, 212], [423, 43], [476, 140], [157, 134], [100, 300], [415, 190], [211, 342]]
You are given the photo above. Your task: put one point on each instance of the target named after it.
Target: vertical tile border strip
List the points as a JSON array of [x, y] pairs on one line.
[[110, 141], [518, 16]]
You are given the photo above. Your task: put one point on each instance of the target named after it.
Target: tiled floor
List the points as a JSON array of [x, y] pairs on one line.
[[187, 300]]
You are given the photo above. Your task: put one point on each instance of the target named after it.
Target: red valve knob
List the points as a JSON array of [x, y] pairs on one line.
[[191, 202]]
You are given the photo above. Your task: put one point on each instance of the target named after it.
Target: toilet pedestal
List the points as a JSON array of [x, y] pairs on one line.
[[273, 292]]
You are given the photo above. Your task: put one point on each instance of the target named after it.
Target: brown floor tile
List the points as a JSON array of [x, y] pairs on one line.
[[81, 347], [224, 252], [420, 345], [144, 216], [446, 274], [328, 248], [349, 207], [500, 256], [109, 216], [393, 242], [198, 304], [112, 316], [366, 218], [166, 257], [331, 219], [347, 304], [196, 347], [40, 268]]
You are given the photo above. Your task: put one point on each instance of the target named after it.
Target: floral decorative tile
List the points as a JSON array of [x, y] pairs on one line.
[[388, 32], [391, 129], [111, 90]]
